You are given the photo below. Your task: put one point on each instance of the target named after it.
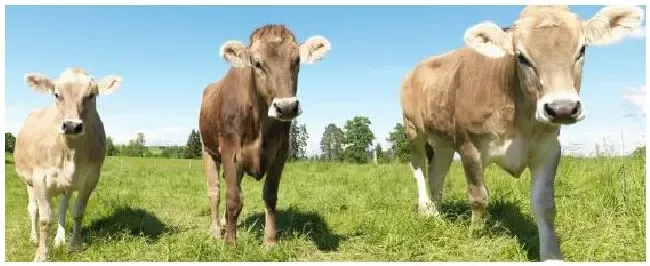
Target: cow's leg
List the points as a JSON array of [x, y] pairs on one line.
[[80, 207], [543, 200], [270, 195], [44, 215], [32, 210], [231, 159], [473, 166], [211, 165], [439, 164], [418, 164], [59, 239]]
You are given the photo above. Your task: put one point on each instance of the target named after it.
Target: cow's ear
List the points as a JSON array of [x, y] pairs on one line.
[[611, 24], [109, 83], [314, 49], [235, 54], [489, 39], [39, 82]]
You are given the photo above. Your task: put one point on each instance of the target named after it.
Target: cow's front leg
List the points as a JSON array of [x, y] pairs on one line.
[[44, 216], [473, 166], [543, 171], [59, 239], [270, 195], [80, 208], [231, 157], [211, 165]]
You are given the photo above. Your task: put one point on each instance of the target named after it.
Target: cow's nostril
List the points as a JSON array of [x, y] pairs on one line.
[[277, 108], [78, 128], [575, 109], [548, 110], [295, 109]]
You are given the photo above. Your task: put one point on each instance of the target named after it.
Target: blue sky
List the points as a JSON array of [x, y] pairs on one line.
[[167, 54]]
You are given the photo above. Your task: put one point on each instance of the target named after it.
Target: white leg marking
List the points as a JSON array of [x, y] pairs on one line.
[[543, 202], [32, 210], [425, 206], [59, 239]]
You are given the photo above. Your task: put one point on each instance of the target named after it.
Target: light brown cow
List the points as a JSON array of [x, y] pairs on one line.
[[61, 149], [503, 99], [245, 118]]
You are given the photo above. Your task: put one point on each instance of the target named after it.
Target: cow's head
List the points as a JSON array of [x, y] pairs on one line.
[[275, 57], [548, 44], [74, 92]]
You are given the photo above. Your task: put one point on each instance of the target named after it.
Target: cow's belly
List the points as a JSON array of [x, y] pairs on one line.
[[510, 154]]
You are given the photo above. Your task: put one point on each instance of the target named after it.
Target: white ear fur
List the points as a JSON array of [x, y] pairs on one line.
[[235, 54], [109, 84], [488, 39], [39, 82], [314, 49], [611, 24]]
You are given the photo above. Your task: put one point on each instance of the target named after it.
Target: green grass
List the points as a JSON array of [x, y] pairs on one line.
[[151, 209]]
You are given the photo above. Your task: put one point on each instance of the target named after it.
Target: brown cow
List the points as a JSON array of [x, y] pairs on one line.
[[503, 99], [60, 150], [245, 118]]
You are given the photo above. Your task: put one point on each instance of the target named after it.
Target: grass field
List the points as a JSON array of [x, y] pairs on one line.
[[151, 209]]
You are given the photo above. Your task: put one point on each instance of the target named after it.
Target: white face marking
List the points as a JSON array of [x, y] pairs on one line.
[[540, 114]]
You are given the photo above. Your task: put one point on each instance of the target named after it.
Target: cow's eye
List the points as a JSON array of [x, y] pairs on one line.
[[91, 95], [57, 96], [258, 65]]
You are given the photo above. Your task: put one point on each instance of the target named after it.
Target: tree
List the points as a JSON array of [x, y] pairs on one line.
[[173, 152], [111, 150], [10, 142], [400, 148], [193, 148], [297, 141], [331, 143], [382, 157], [136, 147], [357, 139]]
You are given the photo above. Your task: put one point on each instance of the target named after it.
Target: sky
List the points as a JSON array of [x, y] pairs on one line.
[[166, 56]]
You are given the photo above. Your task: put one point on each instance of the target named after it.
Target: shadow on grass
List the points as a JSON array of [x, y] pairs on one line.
[[290, 222], [135, 222], [504, 218], [8, 162]]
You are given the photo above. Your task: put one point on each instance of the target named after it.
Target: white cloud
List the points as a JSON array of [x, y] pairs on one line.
[[636, 96]]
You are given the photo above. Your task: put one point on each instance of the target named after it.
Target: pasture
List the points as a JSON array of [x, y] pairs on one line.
[[152, 209]]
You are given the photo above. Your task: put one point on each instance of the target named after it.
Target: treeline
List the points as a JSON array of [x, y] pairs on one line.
[[353, 143], [138, 148]]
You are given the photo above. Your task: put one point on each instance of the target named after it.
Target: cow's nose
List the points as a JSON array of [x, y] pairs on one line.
[[563, 109], [288, 108], [72, 127]]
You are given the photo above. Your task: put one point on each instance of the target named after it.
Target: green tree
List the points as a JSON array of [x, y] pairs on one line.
[[173, 152], [193, 146], [111, 150], [400, 148], [137, 147], [331, 143], [297, 141], [357, 139], [382, 157], [10, 142]]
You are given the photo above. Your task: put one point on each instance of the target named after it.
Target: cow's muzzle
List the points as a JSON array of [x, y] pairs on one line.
[[72, 127], [560, 109], [285, 109]]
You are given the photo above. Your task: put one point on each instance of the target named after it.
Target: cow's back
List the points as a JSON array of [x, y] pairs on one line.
[[461, 91]]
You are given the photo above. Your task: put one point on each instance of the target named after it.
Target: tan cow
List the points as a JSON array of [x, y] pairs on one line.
[[245, 118], [503, 99], [60, 150]]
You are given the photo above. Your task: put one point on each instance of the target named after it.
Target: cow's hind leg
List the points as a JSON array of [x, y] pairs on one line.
[[211, 164], [32, 210], [473, 166], [417, 146], [439, 162]]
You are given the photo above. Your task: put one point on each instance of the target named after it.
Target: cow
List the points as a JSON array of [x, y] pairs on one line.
[[245, 117], [502, 99], [60, 150]]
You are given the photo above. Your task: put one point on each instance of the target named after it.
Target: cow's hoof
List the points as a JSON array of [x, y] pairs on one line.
[[33, 240], [268, 244], [77, 246], [59, 241], [216, 233], [428, 210], [41, 257]]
